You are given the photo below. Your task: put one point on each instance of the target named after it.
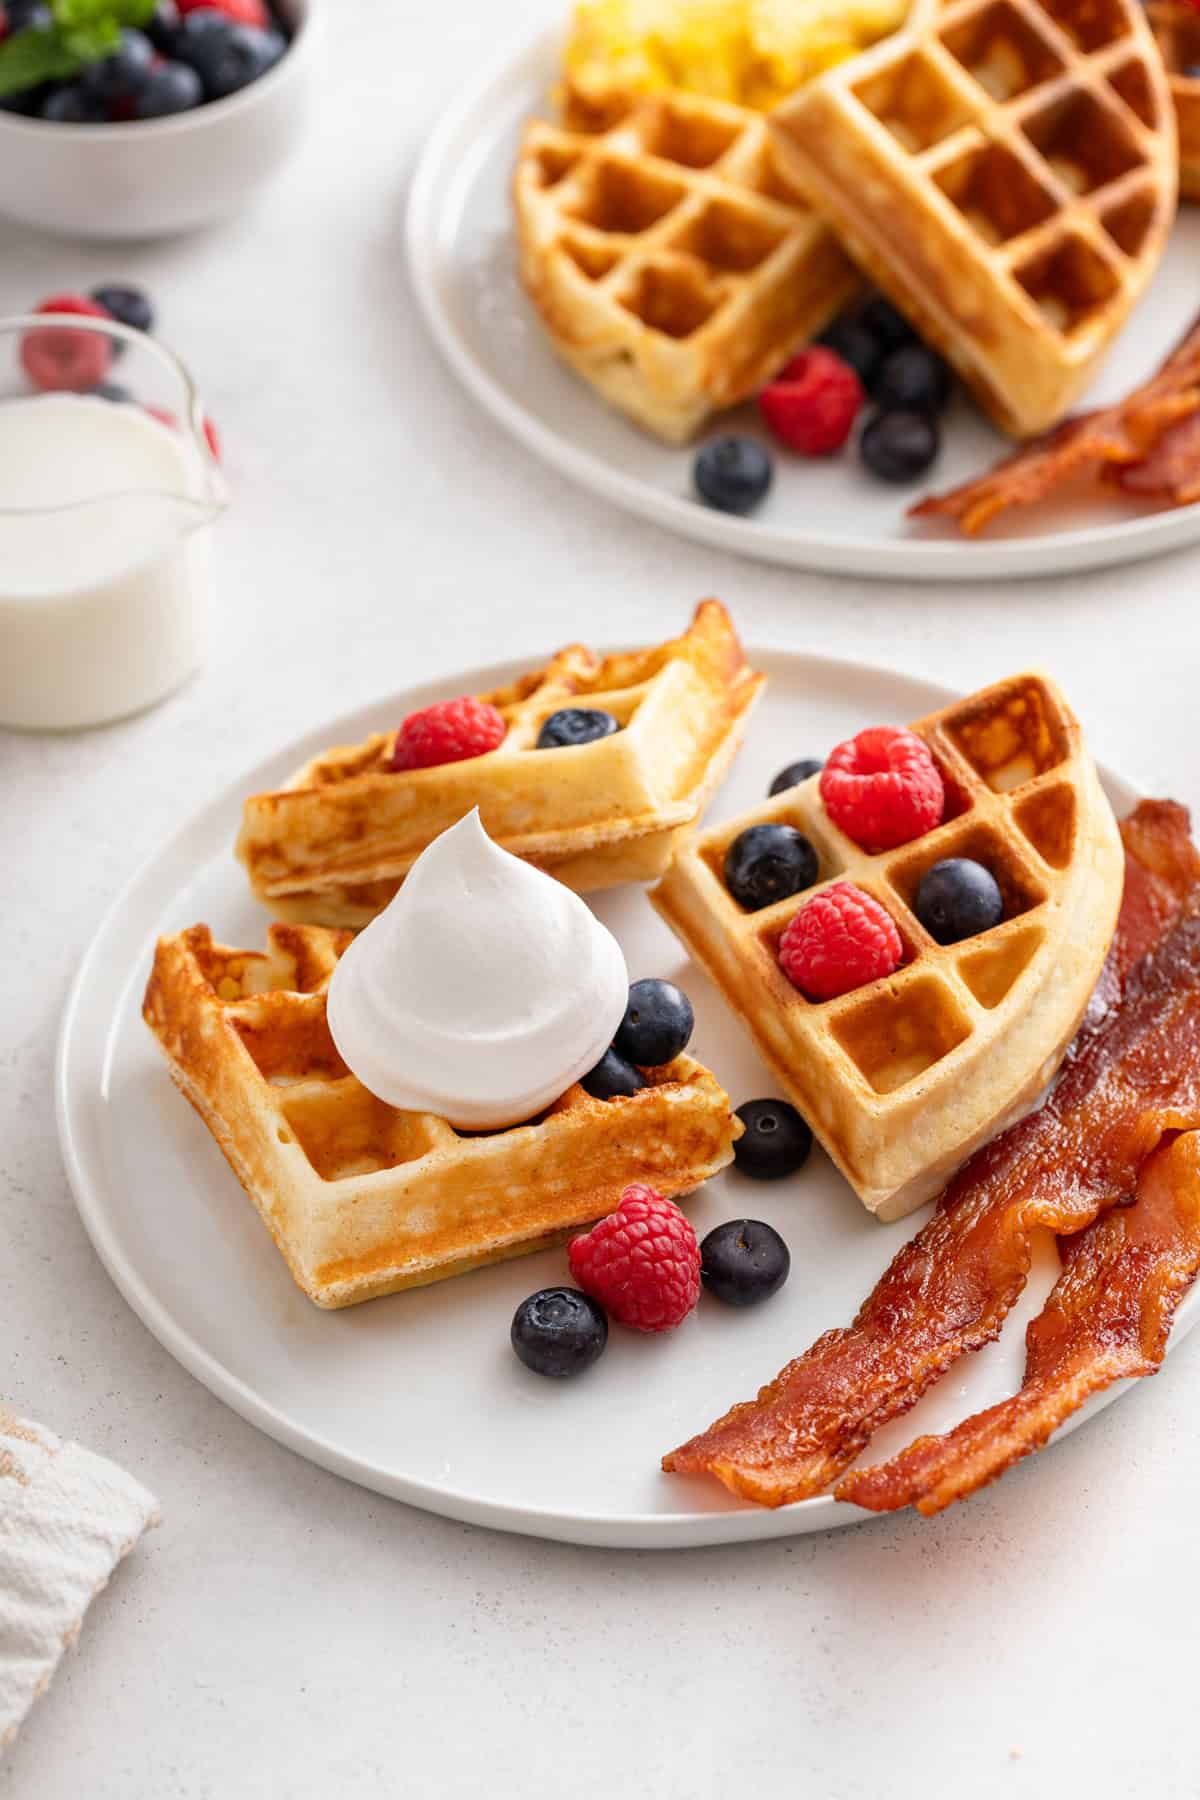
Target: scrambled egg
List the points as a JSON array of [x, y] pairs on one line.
[[753, 52]]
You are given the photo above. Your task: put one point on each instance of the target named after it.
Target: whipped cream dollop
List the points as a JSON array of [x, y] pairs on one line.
[[482, 992]]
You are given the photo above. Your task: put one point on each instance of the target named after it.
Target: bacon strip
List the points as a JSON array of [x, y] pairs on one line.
[[1133, 1074], [1148, 444], [1108, 1319], [1171, 471]]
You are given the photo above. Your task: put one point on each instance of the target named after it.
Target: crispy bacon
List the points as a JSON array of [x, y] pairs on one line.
[[1171, 470], [1147, 444], [1108, 1319], [1133, 1074]]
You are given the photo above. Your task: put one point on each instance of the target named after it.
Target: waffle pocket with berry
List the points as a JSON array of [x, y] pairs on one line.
[[912, 936], [589, 768]]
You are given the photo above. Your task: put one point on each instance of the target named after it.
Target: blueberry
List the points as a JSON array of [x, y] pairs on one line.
[[28, 15], [172, 88], [71, 104], [851, 340], [559, 1332], [743, 1262], [888, 327], [576, 725], [775, 1143], [766, 863], [794, 774], [163, 27], [957, 899], [732, 473], [112, 390], [128, 306], [899, 446], [123, 73], [912, 379], [28, 103], [657, 1026], [613, 1078], [229, 60], [197, 37]]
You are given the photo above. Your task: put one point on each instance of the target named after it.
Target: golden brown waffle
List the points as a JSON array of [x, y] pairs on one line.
[[903, 1078], [1176, 30], [333, 845], [1006, 171], [362, 1199], [673, 266]]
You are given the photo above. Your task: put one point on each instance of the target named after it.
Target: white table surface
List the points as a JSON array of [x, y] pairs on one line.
[[283, 1633]]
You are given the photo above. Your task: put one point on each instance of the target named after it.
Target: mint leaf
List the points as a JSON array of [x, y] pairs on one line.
[[30, 57], [84, 31], [93, 41], [76, 15], [105, 15]]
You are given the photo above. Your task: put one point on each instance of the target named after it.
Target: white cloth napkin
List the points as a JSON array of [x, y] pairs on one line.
[[66, 1520]]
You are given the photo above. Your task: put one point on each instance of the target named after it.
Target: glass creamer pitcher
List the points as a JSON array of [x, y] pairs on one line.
[[108, 488]]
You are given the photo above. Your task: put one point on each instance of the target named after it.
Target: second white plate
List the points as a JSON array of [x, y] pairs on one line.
[[821, 514], [419, 1395]]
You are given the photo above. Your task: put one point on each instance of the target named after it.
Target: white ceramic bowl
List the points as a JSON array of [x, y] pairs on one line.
[[151, 177]]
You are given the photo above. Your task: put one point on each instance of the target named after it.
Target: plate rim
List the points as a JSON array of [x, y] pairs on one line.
[[894, 559], [75, 1101]]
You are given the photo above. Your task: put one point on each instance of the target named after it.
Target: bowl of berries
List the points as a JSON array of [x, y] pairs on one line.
[[137, 118]]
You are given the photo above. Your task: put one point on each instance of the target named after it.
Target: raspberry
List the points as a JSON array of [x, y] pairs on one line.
[[451, 731], [56, 358], [642, 1263], [73, 303], [840, 939], [241, 12], [813, 403], [211, 435], [882, 788]]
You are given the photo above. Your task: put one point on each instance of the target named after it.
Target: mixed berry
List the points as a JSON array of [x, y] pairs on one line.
[[457, 730], [641, 1266], [135, 59], [868, 370], [56, 359], [882, 789]]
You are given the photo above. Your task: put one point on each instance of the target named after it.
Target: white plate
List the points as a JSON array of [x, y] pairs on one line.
[[419, 1395], [820, 514]]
